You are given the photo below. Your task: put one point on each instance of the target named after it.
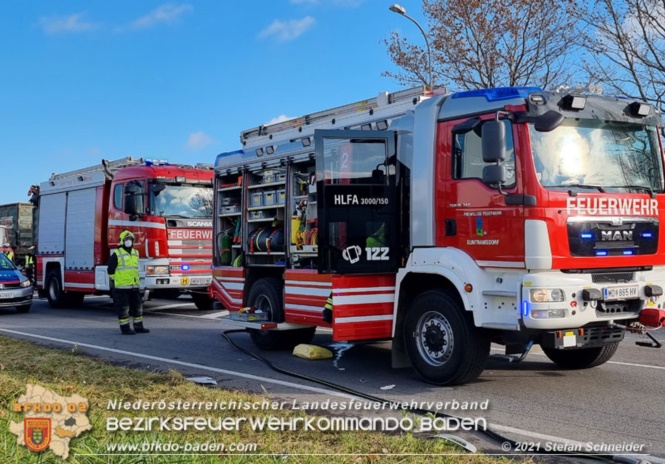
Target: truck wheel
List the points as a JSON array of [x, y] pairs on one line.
[[23, 308], [300, 336], [443, 345], [74, 299], [202, 301], [582, 358], [54, 292], [266, 295]]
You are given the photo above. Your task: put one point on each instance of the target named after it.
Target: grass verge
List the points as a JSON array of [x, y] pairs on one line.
[[68, 373]]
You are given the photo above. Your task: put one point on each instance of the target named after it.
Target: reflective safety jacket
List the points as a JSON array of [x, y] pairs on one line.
[[127, 272]]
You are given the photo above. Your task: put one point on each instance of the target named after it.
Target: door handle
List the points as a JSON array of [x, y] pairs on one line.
[[451, 227]]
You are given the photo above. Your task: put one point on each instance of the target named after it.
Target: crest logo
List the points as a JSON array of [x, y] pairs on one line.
[[37, 433]]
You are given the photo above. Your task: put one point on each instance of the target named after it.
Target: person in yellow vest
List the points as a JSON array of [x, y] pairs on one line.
[[30, 264], [123, 269], [8, 251]]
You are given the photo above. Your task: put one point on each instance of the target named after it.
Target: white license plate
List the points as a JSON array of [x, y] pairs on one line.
[[205, 282], [4, 295], [624, 292]]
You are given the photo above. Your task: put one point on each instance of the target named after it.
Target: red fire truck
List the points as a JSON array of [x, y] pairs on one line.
[[167, 207], [446, 222]]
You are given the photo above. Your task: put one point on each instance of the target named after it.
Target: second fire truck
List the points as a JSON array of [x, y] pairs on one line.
[[167, 207], [446, 222]]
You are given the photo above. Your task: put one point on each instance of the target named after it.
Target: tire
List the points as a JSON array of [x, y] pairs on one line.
[[582, 358], [23, 308], [74, 299], [266, 295], [54, 293], [435, 321], [202, 301], [300, 336]]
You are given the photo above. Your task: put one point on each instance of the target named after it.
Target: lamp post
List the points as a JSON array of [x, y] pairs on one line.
[[399, 9]]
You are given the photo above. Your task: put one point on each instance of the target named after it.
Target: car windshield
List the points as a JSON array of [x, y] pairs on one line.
[[5, 263], [186, 201], [600, 155]]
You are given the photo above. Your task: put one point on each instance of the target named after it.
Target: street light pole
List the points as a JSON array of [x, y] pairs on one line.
[[399, 9]]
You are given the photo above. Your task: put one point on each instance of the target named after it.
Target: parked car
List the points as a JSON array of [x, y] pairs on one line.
[[15, 288]]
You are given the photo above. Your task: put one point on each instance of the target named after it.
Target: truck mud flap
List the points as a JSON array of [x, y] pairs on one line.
[[582, 338]]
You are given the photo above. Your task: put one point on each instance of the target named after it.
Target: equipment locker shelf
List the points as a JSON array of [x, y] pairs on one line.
[[264, 236]]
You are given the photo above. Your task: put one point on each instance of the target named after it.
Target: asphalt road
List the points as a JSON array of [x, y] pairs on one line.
[[618, 403]]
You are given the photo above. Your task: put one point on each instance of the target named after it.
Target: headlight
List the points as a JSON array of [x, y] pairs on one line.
[[548, 313], [546, 295], [25, 283], [157, 270]]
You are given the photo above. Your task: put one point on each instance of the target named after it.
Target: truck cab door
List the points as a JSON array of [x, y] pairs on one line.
[[357, 207]]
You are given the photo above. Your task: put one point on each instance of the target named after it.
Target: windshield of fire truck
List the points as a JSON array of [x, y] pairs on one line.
[[596, 154], [185, 201]]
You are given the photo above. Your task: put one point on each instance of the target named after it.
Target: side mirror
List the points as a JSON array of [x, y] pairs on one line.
[[131, 206], [494, 142], [156, 189], [133, 200], [548, 122], [494, 174]]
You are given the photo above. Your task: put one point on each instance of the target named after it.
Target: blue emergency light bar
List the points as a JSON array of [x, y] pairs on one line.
[[154, 162], [499, 93]]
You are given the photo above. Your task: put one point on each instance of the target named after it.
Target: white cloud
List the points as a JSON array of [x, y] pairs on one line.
[[198, 140], [279, 118], [168, 13], [65, 24], [288, 30]]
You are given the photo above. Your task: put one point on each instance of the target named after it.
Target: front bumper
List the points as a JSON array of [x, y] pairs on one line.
[[577, 310], [197, 282], [16, 297], [589, 337]]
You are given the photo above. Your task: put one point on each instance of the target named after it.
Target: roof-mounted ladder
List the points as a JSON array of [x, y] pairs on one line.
[[111, 166], [385, 106]]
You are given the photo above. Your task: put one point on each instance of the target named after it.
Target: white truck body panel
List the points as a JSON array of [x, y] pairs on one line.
[[52, 211], [80, 237]]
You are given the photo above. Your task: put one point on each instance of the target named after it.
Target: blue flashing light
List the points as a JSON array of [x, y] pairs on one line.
[[525, 308], [185, 267], [156, 162], [499, 93], [601, 252], [628, 252], [646, 235], [586, 235]]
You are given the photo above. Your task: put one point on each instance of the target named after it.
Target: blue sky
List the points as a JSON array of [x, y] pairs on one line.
[[81, 80]]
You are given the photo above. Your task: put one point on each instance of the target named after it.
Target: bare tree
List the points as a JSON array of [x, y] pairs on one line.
[[625, 41], [490, 43]]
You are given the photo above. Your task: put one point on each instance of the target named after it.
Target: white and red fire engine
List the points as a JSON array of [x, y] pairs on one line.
[[167, 207], [446, 222]]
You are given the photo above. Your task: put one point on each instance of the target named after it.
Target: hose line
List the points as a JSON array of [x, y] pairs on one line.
[[420, 411]]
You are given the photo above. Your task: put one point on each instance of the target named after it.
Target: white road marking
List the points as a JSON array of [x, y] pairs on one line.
[[608, 362], [182, 363], [323, 391], [178, 305], [215, 315]]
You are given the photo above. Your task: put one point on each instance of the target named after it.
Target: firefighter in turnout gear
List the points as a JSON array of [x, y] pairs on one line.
[[123, 269]]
